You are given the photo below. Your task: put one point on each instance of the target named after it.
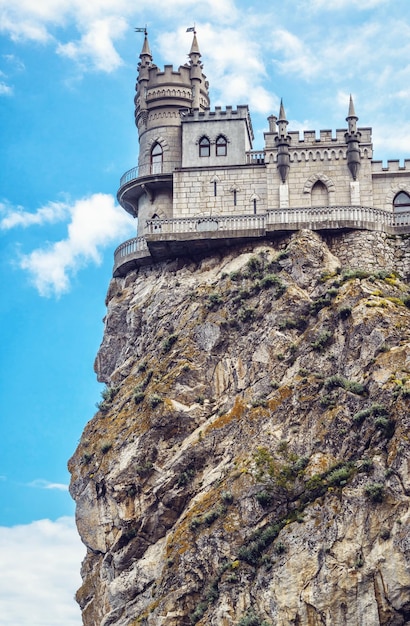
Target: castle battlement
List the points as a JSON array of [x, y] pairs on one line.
[[159, 77], [393, 166], [241, 111], [309, 138]]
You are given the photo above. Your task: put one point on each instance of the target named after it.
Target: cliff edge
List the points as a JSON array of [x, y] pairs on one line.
[[249, 461]]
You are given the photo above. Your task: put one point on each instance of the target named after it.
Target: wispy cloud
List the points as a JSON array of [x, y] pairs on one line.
[[96, 45], [40, 483], [92, 224], [17, 217], [337, 5], [234, 60], [5, 89], [39, 573]]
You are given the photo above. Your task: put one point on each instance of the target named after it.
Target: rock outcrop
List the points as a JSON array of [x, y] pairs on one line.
[[249, 461]]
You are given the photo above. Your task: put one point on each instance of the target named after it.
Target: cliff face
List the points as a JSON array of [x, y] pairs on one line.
[[249, 463]]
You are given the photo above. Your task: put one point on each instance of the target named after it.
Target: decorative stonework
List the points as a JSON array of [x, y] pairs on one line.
[[321, 177]]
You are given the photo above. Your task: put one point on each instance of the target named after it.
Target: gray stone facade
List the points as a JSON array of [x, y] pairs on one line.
[[197, 166]]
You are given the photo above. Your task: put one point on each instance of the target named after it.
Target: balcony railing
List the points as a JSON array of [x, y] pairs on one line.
[[255, 157], [149, 169], [204, 224], [137, 244], [241, 226], [343, 215]]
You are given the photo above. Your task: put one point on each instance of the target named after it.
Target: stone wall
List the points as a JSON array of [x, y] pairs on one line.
[[372, 251]]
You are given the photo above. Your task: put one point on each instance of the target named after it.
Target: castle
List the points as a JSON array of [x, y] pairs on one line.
[[200, 186]]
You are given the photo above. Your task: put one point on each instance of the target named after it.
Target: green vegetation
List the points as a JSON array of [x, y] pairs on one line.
[[105, 446], [169, 342], [344, 312], [337, 380], [138, 396], [213, 300], [252, 619], [144, 469], [299, 322], [322, 341], [375, 492], [108, 394], [246, 314], [154, 400]]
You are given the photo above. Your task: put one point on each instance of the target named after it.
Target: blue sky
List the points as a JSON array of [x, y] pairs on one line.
[[67, 76]]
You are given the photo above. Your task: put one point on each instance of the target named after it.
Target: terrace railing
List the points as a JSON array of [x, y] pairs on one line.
[[329, 217]]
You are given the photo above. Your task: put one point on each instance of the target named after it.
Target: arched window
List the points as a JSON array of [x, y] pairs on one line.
[[204, 147], [319, 195], [221, 146], [156, 159], [401, 202]]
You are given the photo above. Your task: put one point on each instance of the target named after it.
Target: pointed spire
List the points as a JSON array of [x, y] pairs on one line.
[[351, 109], [282, 114], [146, 52], [194, 46], [351, 117], [352, 138], [282, 141]]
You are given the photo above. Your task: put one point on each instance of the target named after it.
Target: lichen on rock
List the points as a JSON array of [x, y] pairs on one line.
[[249, 461]]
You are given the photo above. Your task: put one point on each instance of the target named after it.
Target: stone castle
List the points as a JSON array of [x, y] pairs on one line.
[[199, 184]]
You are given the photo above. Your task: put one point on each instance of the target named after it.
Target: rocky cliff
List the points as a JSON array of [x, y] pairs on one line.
[[249, 461]]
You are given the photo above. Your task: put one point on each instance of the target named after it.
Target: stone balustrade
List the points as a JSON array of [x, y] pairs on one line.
[[137, 251]]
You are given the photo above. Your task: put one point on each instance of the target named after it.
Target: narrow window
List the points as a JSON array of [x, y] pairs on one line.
[[234, 197], [204, 147], [254, 206], [156, 159], [215, 188], [401, 202], [221, 146]]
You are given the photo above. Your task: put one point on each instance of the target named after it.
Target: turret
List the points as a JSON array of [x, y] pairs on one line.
[[195, 72], [282, 141], [352, 138], [142, 81], [162, 98]]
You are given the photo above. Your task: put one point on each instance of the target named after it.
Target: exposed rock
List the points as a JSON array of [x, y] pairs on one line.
[[250, 458]]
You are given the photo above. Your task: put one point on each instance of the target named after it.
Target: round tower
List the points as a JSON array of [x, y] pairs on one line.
[[162, 98]]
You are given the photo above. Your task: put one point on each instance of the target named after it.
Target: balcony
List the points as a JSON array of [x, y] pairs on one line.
[[147, 178], [170, 238]]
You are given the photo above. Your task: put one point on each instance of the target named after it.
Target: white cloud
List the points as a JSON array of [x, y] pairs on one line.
[[39, 573], [16, 216], [234, 61], [96, 45], [98, 24], [336, 5], [5, 90], [40, 483], [298, 58], [95, 222]]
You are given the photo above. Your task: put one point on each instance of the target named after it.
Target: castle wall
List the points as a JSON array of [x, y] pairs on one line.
[[232, 124], [161, 206], [168, 136], [194, 191], [387, 183], [372, 251]]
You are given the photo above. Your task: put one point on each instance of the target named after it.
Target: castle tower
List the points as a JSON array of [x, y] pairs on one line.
[[162, 98], [352, 138], [282, 141]]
